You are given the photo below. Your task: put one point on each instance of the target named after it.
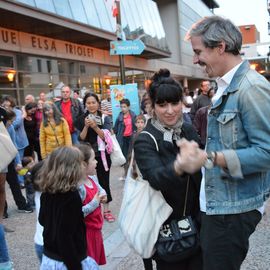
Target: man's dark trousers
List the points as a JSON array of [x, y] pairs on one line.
[[225, 239]]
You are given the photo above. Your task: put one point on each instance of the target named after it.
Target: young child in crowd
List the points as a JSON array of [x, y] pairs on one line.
[[92, 195], [32, 178], [61, 212], [140, 123], [28, 163]]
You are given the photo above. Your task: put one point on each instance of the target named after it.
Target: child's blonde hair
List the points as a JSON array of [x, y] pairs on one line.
[[62, 170], [86, 150]]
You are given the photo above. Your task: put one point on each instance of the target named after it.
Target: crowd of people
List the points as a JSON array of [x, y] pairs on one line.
[[207, 144]]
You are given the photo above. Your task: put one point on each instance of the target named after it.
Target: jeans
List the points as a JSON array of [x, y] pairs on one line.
[[20, 177], [4, 257], [126, 145], [225, 239], [39, 251], [75, 137]]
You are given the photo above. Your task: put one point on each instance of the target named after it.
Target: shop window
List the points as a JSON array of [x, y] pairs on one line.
[[49, 66], [24, 62], [33, 80], [39, 66], [6, 61], [7, 79], [71, 67], [82, 69]]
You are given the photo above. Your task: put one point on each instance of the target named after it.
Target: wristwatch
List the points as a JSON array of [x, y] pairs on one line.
[[210, 161]]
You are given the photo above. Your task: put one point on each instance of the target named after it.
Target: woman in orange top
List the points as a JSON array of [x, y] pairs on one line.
[[54, 130]]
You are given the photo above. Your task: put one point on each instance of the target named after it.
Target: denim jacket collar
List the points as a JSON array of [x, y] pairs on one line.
[[234, 85]]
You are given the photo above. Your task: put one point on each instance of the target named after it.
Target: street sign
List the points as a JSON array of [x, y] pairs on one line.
[[126, 47]]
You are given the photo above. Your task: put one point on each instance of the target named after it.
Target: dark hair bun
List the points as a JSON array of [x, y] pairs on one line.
[[161, 74], [164, 72]]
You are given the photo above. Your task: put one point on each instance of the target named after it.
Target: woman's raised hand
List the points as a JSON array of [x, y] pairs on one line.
[[190, 158], [90, 123]]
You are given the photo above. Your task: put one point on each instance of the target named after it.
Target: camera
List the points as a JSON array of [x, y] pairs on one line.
[[91, 116], [96, 118]]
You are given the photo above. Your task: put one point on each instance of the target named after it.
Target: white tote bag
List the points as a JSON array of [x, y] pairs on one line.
[[8, 150], [117, 157], [143, 211]]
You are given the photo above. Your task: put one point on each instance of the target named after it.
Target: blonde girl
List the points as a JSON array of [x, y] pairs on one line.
[[61, 212]]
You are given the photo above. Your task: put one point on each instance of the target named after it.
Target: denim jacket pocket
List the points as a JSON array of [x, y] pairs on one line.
[[228, 129]]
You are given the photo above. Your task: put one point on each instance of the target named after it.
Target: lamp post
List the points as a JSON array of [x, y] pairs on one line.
[[120, 37]]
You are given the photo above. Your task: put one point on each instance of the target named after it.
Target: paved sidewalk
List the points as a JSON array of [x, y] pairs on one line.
[[119, 255]]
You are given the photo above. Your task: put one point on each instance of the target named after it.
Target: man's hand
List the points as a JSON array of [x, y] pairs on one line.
[[190, 158]]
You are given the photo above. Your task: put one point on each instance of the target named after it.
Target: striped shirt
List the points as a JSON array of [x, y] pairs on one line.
[[106, 106]]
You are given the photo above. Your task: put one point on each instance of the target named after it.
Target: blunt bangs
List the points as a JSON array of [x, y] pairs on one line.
[[168, 93]]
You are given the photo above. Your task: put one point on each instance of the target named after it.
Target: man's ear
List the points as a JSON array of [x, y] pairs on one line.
[[221, 47]]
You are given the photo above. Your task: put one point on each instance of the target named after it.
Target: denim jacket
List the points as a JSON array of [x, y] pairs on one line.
[[239, 127], [119, 126]]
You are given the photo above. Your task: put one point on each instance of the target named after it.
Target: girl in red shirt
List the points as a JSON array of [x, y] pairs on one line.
[[92, 195]]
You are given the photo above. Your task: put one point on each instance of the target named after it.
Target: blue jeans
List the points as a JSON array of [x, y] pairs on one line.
[[75, 137], [4, 257], [39, 251], [20, 177]]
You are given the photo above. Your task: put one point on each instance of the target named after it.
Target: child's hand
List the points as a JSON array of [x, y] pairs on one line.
[[97, 197], [103, 198], [18, 167]]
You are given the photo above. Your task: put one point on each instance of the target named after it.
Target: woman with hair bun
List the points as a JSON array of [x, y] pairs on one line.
[[178, 159]]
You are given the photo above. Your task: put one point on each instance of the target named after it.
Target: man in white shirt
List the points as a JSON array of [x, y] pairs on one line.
[[236, 178]]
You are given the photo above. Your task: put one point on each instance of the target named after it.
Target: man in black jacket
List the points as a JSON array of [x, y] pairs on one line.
[[202, 100]]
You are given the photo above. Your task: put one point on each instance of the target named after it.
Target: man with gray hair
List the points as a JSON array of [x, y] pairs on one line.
[[29, 99], [236, 178]]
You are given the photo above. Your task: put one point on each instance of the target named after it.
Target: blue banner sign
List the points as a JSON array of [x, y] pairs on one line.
[[126, 47], [119, 92]]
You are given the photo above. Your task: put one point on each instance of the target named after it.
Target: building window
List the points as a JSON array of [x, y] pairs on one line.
[[6, 61], [82, 69], [39, 67], [49, 66]]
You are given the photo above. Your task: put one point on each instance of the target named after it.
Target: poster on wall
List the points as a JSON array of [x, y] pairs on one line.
[[119, 92]]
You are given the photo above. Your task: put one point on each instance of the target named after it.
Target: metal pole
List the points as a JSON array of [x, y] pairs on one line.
[[119, 37]]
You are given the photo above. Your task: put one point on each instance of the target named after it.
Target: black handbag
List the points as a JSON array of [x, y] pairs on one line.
[[179, 239]]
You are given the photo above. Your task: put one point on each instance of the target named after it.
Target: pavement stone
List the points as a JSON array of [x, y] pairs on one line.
[[119, 255]]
